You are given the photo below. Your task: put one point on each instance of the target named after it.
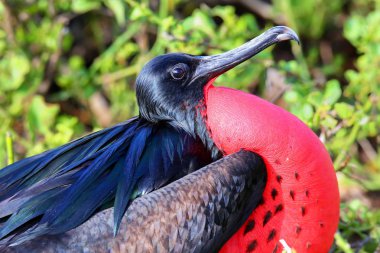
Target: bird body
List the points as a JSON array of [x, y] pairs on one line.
[[301, 198], [274, 170]]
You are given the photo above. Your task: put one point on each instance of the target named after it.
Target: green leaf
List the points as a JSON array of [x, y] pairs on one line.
[[344, 110], [118, 9], [342, 243], [329, 122], [13, 68], [332, 92], [200, 21], [82, 6], [304, 112], [315, 98], [292, 96], [41, 116], [353, 29]]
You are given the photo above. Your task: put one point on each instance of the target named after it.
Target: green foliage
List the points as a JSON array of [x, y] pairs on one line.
[[358, 222], [344, 113], [309, 17], [343, 110], [67, 67]]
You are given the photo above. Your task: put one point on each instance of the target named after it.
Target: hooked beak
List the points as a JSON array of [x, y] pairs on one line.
[[212, 66]]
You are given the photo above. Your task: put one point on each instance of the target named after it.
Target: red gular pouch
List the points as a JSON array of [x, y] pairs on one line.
[[300, 206]]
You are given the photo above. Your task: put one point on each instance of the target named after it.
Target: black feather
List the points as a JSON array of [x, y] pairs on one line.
[[60, 189]]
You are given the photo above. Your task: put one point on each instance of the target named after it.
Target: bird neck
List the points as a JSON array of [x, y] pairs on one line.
[[203, 132], [191, 117]]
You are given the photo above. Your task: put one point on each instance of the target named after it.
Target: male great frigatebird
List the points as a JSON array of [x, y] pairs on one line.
[[275, 182]]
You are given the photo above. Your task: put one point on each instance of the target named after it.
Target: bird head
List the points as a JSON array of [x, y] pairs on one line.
[[171, 87]]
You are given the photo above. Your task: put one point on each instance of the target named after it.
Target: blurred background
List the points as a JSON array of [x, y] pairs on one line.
[[68, 68]]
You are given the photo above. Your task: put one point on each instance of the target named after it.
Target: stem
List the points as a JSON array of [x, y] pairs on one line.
[[8, 23], [9, 148], [350, 140], [117, 75]]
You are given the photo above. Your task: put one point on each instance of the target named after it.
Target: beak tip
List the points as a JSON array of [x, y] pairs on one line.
[[284, 33]]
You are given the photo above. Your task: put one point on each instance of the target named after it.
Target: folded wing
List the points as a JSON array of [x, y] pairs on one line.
[[60, 189]]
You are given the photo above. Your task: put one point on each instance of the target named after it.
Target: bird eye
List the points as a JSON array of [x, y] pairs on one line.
[[179, 71]]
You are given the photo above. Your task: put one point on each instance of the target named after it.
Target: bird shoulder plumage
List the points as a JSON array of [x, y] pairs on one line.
[[58, 190]]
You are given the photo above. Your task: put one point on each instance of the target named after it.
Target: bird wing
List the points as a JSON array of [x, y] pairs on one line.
[[60, 189], [197, 213]]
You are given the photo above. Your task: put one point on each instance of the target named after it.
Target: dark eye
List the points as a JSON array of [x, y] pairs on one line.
[[179, 71]]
